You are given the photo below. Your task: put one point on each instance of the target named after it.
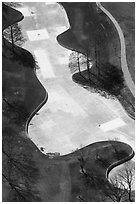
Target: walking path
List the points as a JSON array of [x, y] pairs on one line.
[[124, 65]]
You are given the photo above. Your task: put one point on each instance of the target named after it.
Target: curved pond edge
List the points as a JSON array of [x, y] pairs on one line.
[[77, 48], [117, 163], [36, 110], [18, 14], [82, 85], [21, 17]]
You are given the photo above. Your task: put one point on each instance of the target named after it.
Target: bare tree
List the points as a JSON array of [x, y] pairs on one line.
[[88, 66], [82, 162], [90, 175], [19, 171], [127, 177], [14, 35], [78, 63], [13, 4], [115, 190], [120, 186]]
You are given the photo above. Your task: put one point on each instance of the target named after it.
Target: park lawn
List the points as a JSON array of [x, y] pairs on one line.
[[69, 41], [124, 13], [102, 41], [10, 16], [77, 183], [20, 83]]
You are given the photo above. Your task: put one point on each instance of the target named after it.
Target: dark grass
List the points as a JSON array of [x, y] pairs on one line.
[[16, 111], [28, 86], [124, 13], [121, 92], [95, 178], [21, 55], [104, 53]]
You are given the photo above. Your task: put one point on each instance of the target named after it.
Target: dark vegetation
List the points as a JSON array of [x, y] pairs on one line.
[[13, 4], [17, 109], [124, 12], [119, 187], [20, 55], [13, 33], [101, 48], [91, 185], [20, 173], [107, 80]]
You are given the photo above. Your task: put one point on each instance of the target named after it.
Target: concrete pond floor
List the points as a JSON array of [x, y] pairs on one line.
[[72, 117]]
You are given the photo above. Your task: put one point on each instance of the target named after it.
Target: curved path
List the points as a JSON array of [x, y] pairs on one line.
[[124, 65]]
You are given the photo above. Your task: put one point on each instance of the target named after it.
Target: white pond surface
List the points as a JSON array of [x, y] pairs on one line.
[[60, 29], [25, 11], [72, 117], [111, 125], [44, 63], [35, 35]]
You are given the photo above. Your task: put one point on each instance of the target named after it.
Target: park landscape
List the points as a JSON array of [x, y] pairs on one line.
[[61, 109]]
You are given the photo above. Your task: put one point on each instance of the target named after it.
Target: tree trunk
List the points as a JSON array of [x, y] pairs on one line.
[[78, 63], [12, 40], [88, 69], [3, 39], [129, 194]]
